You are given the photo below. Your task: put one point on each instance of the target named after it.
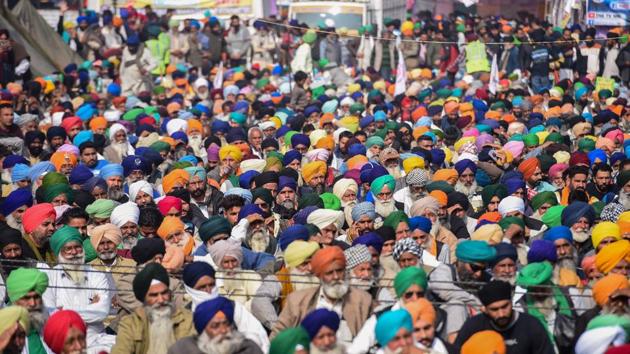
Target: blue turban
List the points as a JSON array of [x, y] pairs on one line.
[[82, 137], [249, 209], [420, 223], [235, 134], [300, 139], [208, 309], [290, 156], [39, 169], [597, 154], [220, 126], [19, 172], [390, 323], [372, 171], [111, 169], [558, 233], [135, 162], [576, 210], [181, 136], [580, 92], [246, 178], [542, 250], [241, 192], [370, 239], [301, 216], [310, 110], [292, 233], [319, 318], [617, 156], [380, 116], [437, 157], [194, 271], [92, 183], [196, 171], [282, 131], [471, 251], [356, 149], [85, 112], [114, 89], [363, 208], [464, 164], [16, 199], [365, 121], [514, 184], [240, 106], [80, 174], [13, 160], [286, 181], [504, 250]]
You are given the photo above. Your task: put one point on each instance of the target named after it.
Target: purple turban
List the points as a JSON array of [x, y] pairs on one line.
[[464, 164], [300, 139], [369, 239], [319, 318], [542, 250]]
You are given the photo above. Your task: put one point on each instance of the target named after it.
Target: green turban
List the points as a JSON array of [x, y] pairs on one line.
[[408, 277], [391, 125], [498, 105], [260, 84], [288, 339], [90, 252], [374, 140], [441, 186], [215, 225], [101, 208], [555, 137], [531, 140], [323, 62], [546, 162], [52, 178], [377, 185], [506, 222], [472, 251], [610, 320], [318, 91], [132, 114], [553, 216], [160, 146], [309, 37], [443, 93], [64, 235], [357, 108], [395, 218], [499, 190], [53, 191], [24, 280], [586, 145], [516, 137], [535, 274], [262, 193], [331, 201], [179, 165], [605, 93], [542, 198], [238, 118], [272, 161]]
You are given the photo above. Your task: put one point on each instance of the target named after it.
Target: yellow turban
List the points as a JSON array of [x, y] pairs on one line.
[[299, 251], [11, 315], [326, 142], [231, 150], [624, 222], [312, 168], [352, 88], [605, 229], [461, 142], [411, 163], [611, 255], [349, 122], [491, 233], [178, 176], [448, 154]]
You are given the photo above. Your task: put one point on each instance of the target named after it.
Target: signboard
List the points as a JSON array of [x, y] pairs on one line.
[[607, 12], [218, 7], [602, 83]]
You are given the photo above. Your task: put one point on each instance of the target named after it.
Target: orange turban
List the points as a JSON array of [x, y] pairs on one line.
[[553, 112], [450, 107], [493, 216], [484, 342], [440, 196], [493, 115], [170, 225], [609, 256], [421, 309], [356, 162], [173, 107], [445, 174], [624, 222], [605, 144], [509, 118], [607, 285], [310, 169], [194, 125], [325, 119], [325, 257], [178, 176], [418, 113], [326, 142], [537, 99], [63, 158], [98, 123], [528, 167]]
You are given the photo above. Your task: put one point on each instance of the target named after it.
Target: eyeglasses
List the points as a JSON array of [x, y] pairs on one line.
[[477, 267], [410, 294]]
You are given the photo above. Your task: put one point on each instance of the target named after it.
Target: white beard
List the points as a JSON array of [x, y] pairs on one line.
[[435, 228], [161, 335], [511, 280], [120, 148], [347, 210], [363, 284], [336, 289], [231, 279], [468, 191], [195, 142], [624, 199], [107, 256], [129, 242], [74, 267], [225, 344], [182, 242], [384, 208], [38, 319], [580, 236], [303, 280], [258, 240], [394, 171], [335, 349]]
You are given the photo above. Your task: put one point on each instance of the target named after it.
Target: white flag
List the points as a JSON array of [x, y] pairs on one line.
[[401, 75], [218, 78], [494, 75]]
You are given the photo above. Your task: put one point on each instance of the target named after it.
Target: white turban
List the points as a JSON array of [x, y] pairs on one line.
[[324, 217], [114, 129], [419, 206], [597, 340], [318, 155], [124, 213], [343, 185], [347, 101], [338, 132], [200, 82], [175, 125], [266, 125], [57, 117], [136, 187], [511, 204], [223, 248], [112, 116], [257, 165]]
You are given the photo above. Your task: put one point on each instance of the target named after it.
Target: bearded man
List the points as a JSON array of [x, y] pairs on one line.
[[416, 188], [611, 296], [135, 168], [321, 326], [541, 202], [565, 268], [504, 266], [286, 200], [25, 287], [351, 304], [119, 146], [420, 231], [39, 225], [105, 240], [204, 198], [14, 206], [575, 180], [532, 173], [467, 183], [125, 217], [623, 183], [73, 285], [429, 207], [390, 159], [214, 321], [314, 176], [363, 215], [329, 222], [157, 322], [113, 175], [195, 138], [579, 217], [360, 268], [34, 142], [382, 188]]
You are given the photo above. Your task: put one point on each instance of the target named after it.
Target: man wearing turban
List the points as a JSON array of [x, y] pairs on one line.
[[430, 208], [395, 324], [15, 205], [105, 240], [125, 216], [416, 181], [113, 174], [353, 305], [25, 287], [423, 316], [158, 323], [541, 202], [329, 222], [176, 179], [64, 162], [73, 285], [65, 332], [314, 175], [382, 188], [614, 258], [230, 157], [321, 326], [209, 320], [14, 324], [467, 183], [566, 263], [579, 217], [575, 180], [205, 198], [532, 173], [39, 225]]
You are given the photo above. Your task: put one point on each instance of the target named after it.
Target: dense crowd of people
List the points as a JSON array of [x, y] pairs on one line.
[[436, 185]]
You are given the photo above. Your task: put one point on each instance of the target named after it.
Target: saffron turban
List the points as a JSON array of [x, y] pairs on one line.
[[206, 311], [389, 323], [169, 202], [107, 231], [408, 277], [528, 167], [11, 315], [59, 159], [299, 251], [421, 309], [603, 230], [319, 318], [223, 248], [484, 342], [21, 281], [606, 286], [325, 257], [310, 169], [232, 151], [609, 256], [324, 217], [35, 216], [175, 177], [445, 174], [124, 213], [170, 225], [471, 251], [63, 236]]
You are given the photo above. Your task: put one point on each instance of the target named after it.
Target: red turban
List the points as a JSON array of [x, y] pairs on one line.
[[36, 214], [528, 167], [57, 326], [71, 122], [325, 257], [579, 158], [169, 202]]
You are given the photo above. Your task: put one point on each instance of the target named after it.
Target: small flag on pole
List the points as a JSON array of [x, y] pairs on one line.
[[218, 78], [494, 76]]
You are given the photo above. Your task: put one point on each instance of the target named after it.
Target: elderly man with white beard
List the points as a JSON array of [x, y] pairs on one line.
[[125, 217], [157, 324], [286, 199], [429, 207], [194, 132], [390, 159], [346, 190], [359, 267], [76, 286], [353, 305], [214, 321], [564, 272], [105, 240], [579, 217], [329, 222], [416, 188], [25, 287], [420, 230], [382, 188], [504, 265], [252, 230], [466, 183], [234, 282], [119, 146]]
